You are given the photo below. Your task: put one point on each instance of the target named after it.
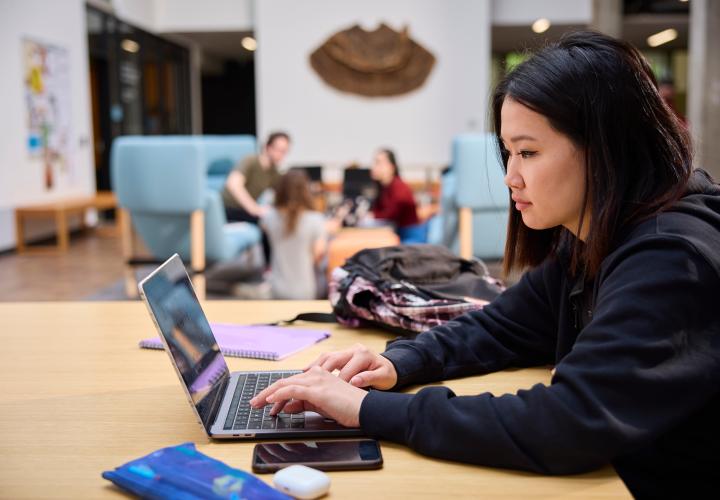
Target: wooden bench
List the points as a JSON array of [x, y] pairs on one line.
[[61, 211]]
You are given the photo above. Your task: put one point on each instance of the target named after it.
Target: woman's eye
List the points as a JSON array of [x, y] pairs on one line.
[[526, 154]]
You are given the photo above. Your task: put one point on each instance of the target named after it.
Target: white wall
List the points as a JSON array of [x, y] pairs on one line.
[[60, 23], [520, 12], [205, 15], [329, 126], [140, 13], [169, 16]]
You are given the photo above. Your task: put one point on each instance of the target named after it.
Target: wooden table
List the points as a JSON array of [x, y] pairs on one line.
[[79, 397], [60, 211]]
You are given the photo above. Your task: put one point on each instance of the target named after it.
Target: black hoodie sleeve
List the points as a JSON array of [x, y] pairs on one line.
[[517, 329], [649, 358]]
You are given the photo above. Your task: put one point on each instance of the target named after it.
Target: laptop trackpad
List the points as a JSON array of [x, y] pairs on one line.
[[316, 421]]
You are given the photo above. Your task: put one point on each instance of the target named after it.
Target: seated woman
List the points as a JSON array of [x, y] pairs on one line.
[[297, 236], [620, 235], [395, 201]]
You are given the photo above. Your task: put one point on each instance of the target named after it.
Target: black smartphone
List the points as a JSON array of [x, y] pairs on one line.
[[324, 455]]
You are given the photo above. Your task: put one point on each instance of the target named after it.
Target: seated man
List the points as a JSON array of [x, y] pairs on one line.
[[252, 177]]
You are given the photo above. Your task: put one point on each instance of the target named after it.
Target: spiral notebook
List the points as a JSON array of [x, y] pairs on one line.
[[256, 341]]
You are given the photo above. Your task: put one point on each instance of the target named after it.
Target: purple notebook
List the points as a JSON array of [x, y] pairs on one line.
[[255, 341]]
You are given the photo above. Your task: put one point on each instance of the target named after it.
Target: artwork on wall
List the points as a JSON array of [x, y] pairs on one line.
[[377, 63], [46, 74]]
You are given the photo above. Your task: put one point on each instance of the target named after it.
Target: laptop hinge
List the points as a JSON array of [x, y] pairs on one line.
[[217, 402]]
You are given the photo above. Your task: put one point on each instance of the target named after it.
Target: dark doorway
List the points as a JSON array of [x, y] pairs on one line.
[[228, 99], [100, 101], [139, 84]]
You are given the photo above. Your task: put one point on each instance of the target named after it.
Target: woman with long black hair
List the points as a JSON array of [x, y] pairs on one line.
[[621, 238]]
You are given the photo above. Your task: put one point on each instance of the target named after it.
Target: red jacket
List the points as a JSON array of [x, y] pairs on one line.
[[396, 203]]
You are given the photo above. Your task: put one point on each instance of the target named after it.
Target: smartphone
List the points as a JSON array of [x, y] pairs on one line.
[[323, 455]]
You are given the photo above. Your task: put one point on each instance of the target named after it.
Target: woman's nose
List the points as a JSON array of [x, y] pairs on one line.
[[512, 178]]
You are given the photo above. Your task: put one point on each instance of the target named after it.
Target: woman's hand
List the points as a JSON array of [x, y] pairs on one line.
[[314, 390], [359, 366]]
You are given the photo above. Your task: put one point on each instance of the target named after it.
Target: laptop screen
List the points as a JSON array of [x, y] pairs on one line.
[[359, 182], [183, 325], [313, 172]]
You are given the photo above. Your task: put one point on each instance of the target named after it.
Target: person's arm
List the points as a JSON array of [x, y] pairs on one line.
[[319, 238], [649, 358], [517, 329], [319, 249], [236, 185], [388, 211], [394, 201], [334, 223]]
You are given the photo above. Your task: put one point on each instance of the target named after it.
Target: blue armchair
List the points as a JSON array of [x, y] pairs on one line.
[[474, 199], [162, 189]]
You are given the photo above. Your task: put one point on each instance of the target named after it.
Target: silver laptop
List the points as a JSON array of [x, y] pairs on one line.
[[220, 399]]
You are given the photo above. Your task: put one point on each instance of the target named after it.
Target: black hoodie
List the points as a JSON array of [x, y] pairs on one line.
[[636, 353]]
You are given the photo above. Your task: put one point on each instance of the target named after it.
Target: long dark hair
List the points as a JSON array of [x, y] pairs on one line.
[[392, 159], [601, 93], [292, 195]]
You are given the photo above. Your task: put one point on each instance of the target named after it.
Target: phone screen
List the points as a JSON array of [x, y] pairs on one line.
[[346, 454]]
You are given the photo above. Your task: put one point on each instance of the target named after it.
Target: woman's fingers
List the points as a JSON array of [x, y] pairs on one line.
[[294, 406], [336, 361], [315, 390], [379, 378], [264, 396], [319, 361], [278, 407], [260, 398], [294, 391], [331, 361], [359, 362]]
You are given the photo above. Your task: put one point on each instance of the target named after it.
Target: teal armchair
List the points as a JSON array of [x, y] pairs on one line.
[[162, 190], [474, 199]]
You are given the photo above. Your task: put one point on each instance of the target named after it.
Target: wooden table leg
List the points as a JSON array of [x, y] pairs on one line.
[[131, 289], [200, 286], [83, 220], [197, 251], [465, 229], [124, 221], [19, 232], [63, 231]]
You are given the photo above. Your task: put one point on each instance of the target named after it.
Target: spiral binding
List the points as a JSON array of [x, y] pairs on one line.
[[240, 353], [236, 353]]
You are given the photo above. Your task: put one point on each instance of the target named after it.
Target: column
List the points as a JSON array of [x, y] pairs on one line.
[[607, 17], [704, 84]]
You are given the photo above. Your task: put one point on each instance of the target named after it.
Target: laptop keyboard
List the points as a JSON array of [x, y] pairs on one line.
[[241, 416]]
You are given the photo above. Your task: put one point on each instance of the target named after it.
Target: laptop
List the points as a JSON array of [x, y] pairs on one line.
[[313, 172], [220, 399], [358, 182]]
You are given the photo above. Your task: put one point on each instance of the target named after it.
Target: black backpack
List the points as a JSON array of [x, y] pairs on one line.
[[409, 288]]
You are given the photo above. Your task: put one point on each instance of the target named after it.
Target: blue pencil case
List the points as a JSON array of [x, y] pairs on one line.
[[181, 472]]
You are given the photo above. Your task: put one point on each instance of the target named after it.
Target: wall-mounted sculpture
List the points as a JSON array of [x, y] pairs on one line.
[[376, 63]]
